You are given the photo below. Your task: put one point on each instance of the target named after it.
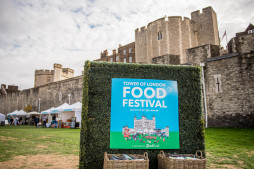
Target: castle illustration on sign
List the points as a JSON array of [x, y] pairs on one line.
[[145, 126]]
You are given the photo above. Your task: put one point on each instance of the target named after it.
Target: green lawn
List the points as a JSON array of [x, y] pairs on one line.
[[230, 147], [119, 142], [225, 148], [28, 140]]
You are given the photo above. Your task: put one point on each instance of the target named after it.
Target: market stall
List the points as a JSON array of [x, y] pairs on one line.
[[18, 116], [2, 119], [77, 108]]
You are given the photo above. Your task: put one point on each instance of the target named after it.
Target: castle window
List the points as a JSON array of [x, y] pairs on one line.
[[48, 79], [130, 50], [130, 59], [159, 35], [250, 31], [140, 40], [117, 58], [111, 59], [124, 60], [124, 52]]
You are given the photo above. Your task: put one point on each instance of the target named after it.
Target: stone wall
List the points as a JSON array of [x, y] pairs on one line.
[[200, 54], [52, 95], [167, 59], [230, 90]]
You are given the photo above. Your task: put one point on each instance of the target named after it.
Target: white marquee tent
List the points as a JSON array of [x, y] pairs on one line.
[[2, 117], [65, 112], [17, 113], [47, 111]]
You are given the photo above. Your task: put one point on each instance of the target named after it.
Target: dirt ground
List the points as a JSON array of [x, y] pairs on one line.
[[42, 161]]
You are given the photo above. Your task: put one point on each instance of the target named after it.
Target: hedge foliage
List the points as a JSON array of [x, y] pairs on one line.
[[95, 130]]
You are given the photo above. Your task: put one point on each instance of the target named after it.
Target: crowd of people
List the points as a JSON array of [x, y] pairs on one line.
[[33, 120]]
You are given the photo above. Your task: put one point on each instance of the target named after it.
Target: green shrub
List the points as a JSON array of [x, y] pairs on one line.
[[95, 130]]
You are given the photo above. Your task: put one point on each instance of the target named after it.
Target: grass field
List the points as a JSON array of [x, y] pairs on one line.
[[119, 142], [30, 147], [230, 148]]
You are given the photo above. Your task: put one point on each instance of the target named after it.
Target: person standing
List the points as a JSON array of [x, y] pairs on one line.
[[20, 120], [11, 121], [44, 121], [16, 121], [54, 119], [36, 121]]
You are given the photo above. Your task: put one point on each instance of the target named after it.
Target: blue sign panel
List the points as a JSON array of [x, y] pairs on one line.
[[144, 114]]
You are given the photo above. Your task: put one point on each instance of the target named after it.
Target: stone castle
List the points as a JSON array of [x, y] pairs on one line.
[[42, 77], [227, 76], [169, 36]]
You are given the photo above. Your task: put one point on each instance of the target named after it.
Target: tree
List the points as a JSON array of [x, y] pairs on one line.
[[28, 108]]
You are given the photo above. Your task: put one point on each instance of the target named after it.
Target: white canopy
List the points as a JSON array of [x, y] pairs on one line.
[[33, 113], [17, 113], [21, 113], [63, 107], [77, 106], [47, 111], [12, 113], [2, 117]]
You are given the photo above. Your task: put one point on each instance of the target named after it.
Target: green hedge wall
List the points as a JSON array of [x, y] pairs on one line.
[[95, 130]]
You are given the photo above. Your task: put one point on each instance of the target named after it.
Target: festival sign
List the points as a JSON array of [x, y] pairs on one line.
[[144, 114]]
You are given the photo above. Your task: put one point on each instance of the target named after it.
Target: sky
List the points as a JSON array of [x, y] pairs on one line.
[[35, 34]]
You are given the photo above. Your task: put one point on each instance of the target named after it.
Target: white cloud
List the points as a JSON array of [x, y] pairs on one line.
[[36, 34]]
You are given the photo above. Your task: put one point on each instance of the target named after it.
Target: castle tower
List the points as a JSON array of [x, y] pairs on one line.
[[206, 26], [171, 36], [42, 77], [57, 72]]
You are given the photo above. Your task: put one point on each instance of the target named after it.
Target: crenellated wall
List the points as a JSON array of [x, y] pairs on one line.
[[206, 26], [42, 77], [52, 95], [177, 35]]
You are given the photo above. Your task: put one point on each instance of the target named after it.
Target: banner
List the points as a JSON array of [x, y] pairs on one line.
[[144, 114]]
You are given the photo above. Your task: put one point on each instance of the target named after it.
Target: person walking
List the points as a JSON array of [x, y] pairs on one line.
[[44, 121]]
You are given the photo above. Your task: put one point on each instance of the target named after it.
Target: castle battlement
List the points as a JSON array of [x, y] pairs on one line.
[[170, 19], [44, 72], [47, 76], [56, 65], [205, 11], [68, 70]]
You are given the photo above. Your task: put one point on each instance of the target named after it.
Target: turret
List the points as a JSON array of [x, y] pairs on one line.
[[206, 26], [57, 72]]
